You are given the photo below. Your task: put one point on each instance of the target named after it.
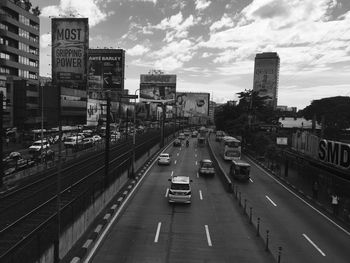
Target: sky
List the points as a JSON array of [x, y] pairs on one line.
[[211, 44]]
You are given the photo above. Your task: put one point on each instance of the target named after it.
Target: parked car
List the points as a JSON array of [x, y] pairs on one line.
[[97, 138], [194, 134], [177, 143], [73, 141], [39, 145], [86, 143], [164, 158], [47, 155], [206, 167], [15, 162], [182, 136]]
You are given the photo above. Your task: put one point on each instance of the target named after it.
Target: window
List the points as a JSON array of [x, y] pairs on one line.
[[23, 73], [34, 51], [23, 60], [24, 20], [23, 47], [33, 75], [4, 70], [4, 56], [33, 63], [3, 26], [23, 33]]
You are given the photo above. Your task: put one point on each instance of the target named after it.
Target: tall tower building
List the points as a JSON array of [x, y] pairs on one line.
[[266, 74], [19, 63]]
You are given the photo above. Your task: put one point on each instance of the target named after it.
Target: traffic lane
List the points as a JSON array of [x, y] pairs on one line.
[[292, 224], [184, 230], [308, 233]]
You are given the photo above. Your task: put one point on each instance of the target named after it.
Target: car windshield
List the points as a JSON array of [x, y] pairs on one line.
[[207, 165], [175, 186], [38, 143], [164, 155]]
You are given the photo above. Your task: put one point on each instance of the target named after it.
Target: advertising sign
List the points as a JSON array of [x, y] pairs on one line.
[[282, 141], [70, 40], [192, 104], [105, 69], [158, 88]]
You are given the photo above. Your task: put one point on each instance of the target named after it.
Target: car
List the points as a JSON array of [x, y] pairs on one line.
[[15, 162], [97, 138], [182, 136], [39, 145], [164, 158], [179, 190], [194, 134], [86, 143], [73, 141], [46, 155], [177, 142], [206, 167], [187, 133]]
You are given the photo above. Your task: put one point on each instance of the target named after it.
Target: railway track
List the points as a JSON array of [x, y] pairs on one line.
[[26, 209]]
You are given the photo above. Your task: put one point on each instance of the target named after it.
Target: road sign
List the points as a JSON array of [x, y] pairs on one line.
[[127, 96]]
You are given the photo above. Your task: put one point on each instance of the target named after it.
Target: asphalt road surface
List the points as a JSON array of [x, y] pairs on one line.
[[304, 233], [210, 229]]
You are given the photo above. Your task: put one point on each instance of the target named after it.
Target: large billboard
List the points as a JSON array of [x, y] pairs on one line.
[[70, 42], [192, 104], [158, 88], [105, 69]]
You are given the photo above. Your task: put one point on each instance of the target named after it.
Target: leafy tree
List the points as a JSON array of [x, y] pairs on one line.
[[36, 11], [334, 110], [27, 5]]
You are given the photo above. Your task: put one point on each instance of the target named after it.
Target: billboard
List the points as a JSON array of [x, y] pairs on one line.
[[192, 104], [158, 88], [70, 42], [105, 69]]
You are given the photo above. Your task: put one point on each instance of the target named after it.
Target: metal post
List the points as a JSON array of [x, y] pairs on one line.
[[258, 227], [42, 124], [134, 140], [163, 123], [245, 205], [1, 139], [267, 240], [250, 214], [279, 254], [240, 198], [58, 194], [108, 120]]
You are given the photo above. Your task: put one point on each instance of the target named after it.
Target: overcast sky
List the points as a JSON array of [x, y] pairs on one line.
[[211, 45]]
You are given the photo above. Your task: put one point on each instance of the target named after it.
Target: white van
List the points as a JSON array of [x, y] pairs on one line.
[[180, 190]]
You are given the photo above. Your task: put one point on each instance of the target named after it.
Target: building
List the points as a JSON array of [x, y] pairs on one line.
[[212, 106], [19, 63], [266, 74]]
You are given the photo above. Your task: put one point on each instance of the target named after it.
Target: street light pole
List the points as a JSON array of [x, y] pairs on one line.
[[42, 122], [134, 138]]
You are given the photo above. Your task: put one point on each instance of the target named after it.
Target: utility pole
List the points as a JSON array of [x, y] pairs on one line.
[[1, 139], [108, 120]]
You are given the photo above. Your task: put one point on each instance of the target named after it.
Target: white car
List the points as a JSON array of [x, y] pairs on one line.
[[36, 146], [164, 158], [180, 190], [97, 138]]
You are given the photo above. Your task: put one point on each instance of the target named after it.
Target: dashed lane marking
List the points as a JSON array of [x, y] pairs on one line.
[[200, 195], [167, 192], [208, 235], [314, 245], [272, 202], [157, 232]]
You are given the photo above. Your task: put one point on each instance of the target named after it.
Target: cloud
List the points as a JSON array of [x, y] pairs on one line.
[[86, 8], [45, 40], [137, 50], [224, 22], [202, 4]]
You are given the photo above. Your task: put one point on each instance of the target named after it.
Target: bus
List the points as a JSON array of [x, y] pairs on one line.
[[231, 148]]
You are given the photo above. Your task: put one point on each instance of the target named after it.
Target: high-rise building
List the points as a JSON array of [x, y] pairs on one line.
[[19, 63], [266, 74]]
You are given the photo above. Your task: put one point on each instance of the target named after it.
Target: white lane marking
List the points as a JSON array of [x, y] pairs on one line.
[[196, 162], [208, 235], [290, 191], [250, 179], [116, 215], [272, 202], [172, 173], [167, 192], [200, 195], [175, 162], [197, 175], [315, 246], [195, 155], [157, 233], [177, 154]]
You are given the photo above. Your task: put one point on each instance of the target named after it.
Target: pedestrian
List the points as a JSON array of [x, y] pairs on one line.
[[335, 203], [315, 190], [7, 141]]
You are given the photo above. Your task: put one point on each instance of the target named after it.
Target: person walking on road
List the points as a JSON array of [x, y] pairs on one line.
[[335, 203]]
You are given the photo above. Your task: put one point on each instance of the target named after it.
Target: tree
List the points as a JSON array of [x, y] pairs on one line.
[[27, 5], [334, 110], [36, 11]]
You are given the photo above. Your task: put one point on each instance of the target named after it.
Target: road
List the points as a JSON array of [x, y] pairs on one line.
[[211, 229], [305, 234]]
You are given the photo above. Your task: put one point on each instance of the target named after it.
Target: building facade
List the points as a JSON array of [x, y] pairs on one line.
[[19, 63], [266, 76]]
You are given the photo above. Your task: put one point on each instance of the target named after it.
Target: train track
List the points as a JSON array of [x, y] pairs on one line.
[[25, 209]]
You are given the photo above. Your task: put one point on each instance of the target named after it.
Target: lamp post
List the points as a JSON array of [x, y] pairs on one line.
[[134, 137]]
